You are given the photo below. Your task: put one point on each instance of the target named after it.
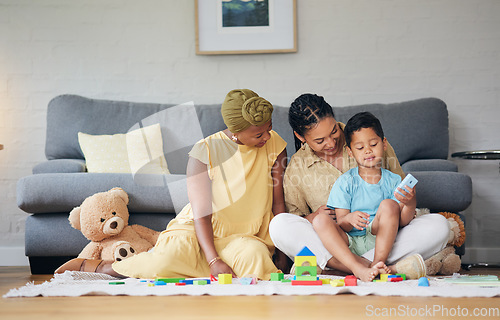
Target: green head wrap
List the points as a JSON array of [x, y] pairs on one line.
[[243, 108]]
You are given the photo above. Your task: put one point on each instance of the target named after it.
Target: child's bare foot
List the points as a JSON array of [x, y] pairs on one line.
[[382, 267], [367, 274]]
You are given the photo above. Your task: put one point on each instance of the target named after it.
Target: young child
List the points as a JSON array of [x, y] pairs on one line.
[[365, 199]]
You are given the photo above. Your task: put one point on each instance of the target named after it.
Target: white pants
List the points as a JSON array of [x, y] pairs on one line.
[[427, 235]]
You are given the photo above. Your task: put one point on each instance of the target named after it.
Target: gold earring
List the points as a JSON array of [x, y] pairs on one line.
[[234, 138]]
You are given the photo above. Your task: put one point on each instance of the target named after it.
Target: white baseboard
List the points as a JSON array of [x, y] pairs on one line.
[[481, 255], [13, 257]]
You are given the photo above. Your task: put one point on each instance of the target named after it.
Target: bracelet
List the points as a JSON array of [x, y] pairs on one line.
[[213, 261]]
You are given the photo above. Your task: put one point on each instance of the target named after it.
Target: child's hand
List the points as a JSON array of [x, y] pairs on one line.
[[358, 219], [409, 195]]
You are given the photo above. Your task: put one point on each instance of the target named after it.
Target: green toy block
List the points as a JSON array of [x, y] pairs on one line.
[[170, 280], [402, 275], [286, 280], [277, 276], [199, 282], [306, 278], [306, 270]]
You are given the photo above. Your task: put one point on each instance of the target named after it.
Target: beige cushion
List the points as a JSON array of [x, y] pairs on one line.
[[138, 151]]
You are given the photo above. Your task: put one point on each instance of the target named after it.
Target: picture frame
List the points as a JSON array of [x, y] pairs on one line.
[[245, 26]]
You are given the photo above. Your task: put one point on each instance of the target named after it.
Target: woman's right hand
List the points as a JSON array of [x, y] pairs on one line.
[[220, 267], [322, 210]]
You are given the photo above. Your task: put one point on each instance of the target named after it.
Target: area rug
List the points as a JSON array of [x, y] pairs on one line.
[[74, 284]]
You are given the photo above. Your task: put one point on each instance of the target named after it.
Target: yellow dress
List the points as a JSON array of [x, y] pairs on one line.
[[242, 189]]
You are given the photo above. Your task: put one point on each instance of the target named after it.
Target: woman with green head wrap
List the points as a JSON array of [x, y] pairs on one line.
[[234, 182]]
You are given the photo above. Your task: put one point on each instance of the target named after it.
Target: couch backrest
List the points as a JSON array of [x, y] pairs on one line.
[[416, 129]]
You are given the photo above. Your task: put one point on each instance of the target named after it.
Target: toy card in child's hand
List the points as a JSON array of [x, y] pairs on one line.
[[409, 181]]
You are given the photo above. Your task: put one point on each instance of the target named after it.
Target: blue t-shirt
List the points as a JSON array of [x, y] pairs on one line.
[[351, 192]]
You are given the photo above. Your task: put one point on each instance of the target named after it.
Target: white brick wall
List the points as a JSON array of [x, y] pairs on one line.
[[350, 51]]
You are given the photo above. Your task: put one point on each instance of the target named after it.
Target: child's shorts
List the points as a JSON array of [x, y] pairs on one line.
[[359, 245]]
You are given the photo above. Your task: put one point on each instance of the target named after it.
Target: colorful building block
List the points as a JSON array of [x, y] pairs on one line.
[[350, 281], [160, 283], [247, 281], [402, 275], [423, 282], [306, 271], [306, 278], [325, 280], [305, 258], [116, 282], [395, 279], [170, 280], [225, 278], [307, 283], [277, 276], [384, 276], [337, 282], [180, 284], [200, 282]]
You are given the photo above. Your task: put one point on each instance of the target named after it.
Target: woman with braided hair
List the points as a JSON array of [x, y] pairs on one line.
[[320, 159], [234, 180]]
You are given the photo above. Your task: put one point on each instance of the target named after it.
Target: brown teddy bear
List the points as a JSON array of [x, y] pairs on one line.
[[103, 219], [446, 261]]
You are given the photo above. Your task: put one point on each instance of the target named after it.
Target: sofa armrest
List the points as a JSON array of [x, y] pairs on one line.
[[60, 166], [429, 165], [443, 190], [61, 192]]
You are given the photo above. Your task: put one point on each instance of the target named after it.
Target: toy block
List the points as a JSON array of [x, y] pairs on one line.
[[402, 275], [325, 280], [307, 283], [254, 280], [200, 282], [306, 271], [350, 281], [186, 281], [305, 261], [395, 279], [305, 252], [286, 280], [337, 282], [225, 278], [180, 284], [277, 276], [170, 280], [384, 276], [246, 281], [423, 282], [306, 278], [160, 283], [378, 280], [213, 278], [151, 284], [116, 282]]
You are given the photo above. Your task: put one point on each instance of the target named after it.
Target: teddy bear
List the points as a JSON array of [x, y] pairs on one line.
[[103, 219], [446, 261]]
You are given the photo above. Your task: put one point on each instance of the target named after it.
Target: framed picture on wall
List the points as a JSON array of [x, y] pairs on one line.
[[246, 26]]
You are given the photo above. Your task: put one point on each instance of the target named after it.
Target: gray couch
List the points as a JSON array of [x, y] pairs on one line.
[[418, 131]]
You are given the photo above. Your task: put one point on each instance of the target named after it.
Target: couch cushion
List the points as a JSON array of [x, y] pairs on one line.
[[46, 193], [139, 150], [416, 129]]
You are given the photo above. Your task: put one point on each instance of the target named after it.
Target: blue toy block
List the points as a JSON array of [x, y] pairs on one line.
[[305, 252], [423, 282]]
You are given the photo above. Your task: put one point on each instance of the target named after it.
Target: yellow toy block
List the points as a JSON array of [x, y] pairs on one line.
[[325, 280], [305, 261], [225, 278], [384, 276], [337, 282]]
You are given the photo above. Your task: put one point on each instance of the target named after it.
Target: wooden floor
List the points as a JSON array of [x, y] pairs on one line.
[[346, 306]]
